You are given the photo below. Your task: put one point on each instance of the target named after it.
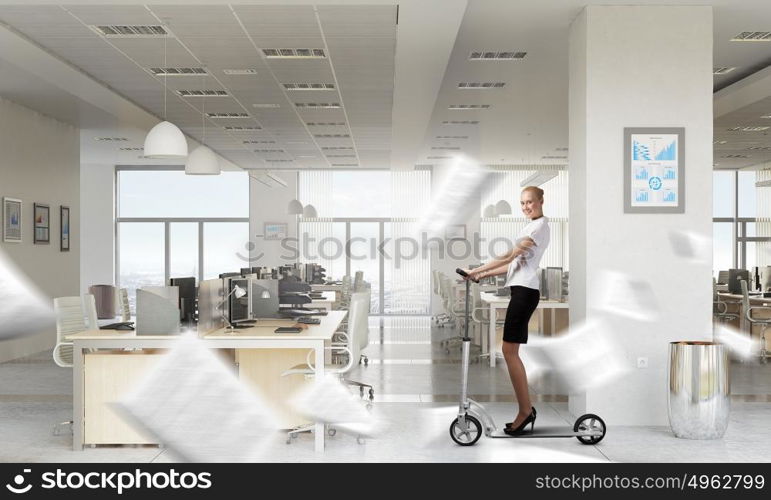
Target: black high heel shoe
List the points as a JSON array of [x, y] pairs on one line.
[[520, 429]]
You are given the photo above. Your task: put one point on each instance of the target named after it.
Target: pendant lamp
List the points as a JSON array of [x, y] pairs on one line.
[[165, 140], [203, 161], [295, 208], [309, 212]]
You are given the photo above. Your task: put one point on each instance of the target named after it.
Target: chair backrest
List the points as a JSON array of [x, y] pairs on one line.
[[69, 320], [104, 295], [89, 306], [745, 295], [357, 280], [357, 323], [123, 305], [722, 277]]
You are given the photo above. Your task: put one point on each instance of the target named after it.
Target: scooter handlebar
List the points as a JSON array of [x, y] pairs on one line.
[[465, 274]]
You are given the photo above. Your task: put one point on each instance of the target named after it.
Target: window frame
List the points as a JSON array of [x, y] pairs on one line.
[[167, 221]]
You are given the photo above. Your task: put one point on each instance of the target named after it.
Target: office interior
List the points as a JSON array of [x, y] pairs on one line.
[[302, 153]]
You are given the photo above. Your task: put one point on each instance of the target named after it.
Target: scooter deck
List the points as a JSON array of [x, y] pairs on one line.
[[541, 432]]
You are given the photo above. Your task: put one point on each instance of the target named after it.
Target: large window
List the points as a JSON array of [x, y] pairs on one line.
[[366, 211], [173, 225]]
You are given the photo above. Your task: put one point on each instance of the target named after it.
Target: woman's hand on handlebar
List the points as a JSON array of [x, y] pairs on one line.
[[470, 275]]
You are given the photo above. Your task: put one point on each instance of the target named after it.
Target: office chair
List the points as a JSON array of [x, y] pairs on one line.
[[722, 277], [442, 318], [69, 320], [720, 307], [480, 316], [357, 280], [456, 309], [763, 322], [357, 317]]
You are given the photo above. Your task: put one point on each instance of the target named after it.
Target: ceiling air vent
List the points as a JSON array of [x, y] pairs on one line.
[[752, 36], [460, 122], [259, 142], [202, 93], [560, 149], [438, 157], [337, 148], [445, 148], [481, 86], [345, 164], [496, 56], [269, 151], [131, 31], [554, 157], [318, 105], [735, 156], [760, 148], [242, 129], [331, 136], [266, 105], [325, 124], [457, 107], [116, 139], [245, 71], [309, 86], [452, 137], [177, 71], [294, 53], [722, 70], [341, 156], [747, 129], [132, 149], [228, 115], [719, 142], [276, 160]]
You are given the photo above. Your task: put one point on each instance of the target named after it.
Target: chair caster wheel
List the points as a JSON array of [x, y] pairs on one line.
[[366, 362], [331, 432], [360, 440], [371, 394], [361, 392], [289, 441]]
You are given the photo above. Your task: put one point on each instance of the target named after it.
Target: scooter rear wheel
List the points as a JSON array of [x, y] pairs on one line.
[[589, 422], [468, 437]]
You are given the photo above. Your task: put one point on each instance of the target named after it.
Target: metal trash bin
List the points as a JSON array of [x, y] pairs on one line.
[[699, 400]]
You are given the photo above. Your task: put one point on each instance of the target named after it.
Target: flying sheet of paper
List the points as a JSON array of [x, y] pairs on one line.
[[24, 309], [195, 405]]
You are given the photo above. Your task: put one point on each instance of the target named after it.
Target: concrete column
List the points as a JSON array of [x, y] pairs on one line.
[[633, 66]]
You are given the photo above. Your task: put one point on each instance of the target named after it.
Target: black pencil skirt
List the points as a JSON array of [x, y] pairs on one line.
[[521, 306]]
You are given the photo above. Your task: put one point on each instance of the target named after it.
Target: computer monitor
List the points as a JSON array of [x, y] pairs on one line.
[[229, 275], [187, 294], [238, 308], [246, 270], [263, 297], [734, 276]]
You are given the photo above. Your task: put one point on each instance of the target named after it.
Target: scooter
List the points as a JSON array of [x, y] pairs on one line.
[[472, 418]]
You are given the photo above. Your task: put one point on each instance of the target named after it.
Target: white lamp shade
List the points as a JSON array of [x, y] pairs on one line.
[[489, 211], [202, 161], [238, 292], [502, 208], [310, 212], [295, 208], [165, 140]]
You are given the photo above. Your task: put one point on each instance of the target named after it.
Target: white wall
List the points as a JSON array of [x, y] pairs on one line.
[[636, 66], [97, 222], [269, 204], [40, 163]]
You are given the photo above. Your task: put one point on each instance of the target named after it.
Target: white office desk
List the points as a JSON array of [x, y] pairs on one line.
[[260, 336], [495, 302]]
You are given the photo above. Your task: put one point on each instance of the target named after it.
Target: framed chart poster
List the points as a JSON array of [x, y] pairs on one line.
[[42, 219], [276, 230], [11, 220], [64, 228], [654, 170]]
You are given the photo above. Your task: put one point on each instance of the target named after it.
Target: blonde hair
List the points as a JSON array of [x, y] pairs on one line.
[[534, 189]]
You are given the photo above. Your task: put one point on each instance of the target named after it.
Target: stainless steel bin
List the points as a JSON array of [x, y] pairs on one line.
[[699, 400]]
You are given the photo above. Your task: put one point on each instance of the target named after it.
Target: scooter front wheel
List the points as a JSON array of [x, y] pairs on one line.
[[592, 423], [470, 435]]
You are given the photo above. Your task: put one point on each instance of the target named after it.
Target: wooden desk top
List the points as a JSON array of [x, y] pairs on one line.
[[261, 330], [491, 298]]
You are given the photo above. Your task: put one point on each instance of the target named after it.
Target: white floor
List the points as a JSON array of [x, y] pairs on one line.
[[416, 385]]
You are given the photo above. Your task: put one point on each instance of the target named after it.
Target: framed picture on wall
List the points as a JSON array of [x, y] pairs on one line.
[[11, 220], [455, 232], [654, 170], [41, 215], [276, 230], [64, 228]]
